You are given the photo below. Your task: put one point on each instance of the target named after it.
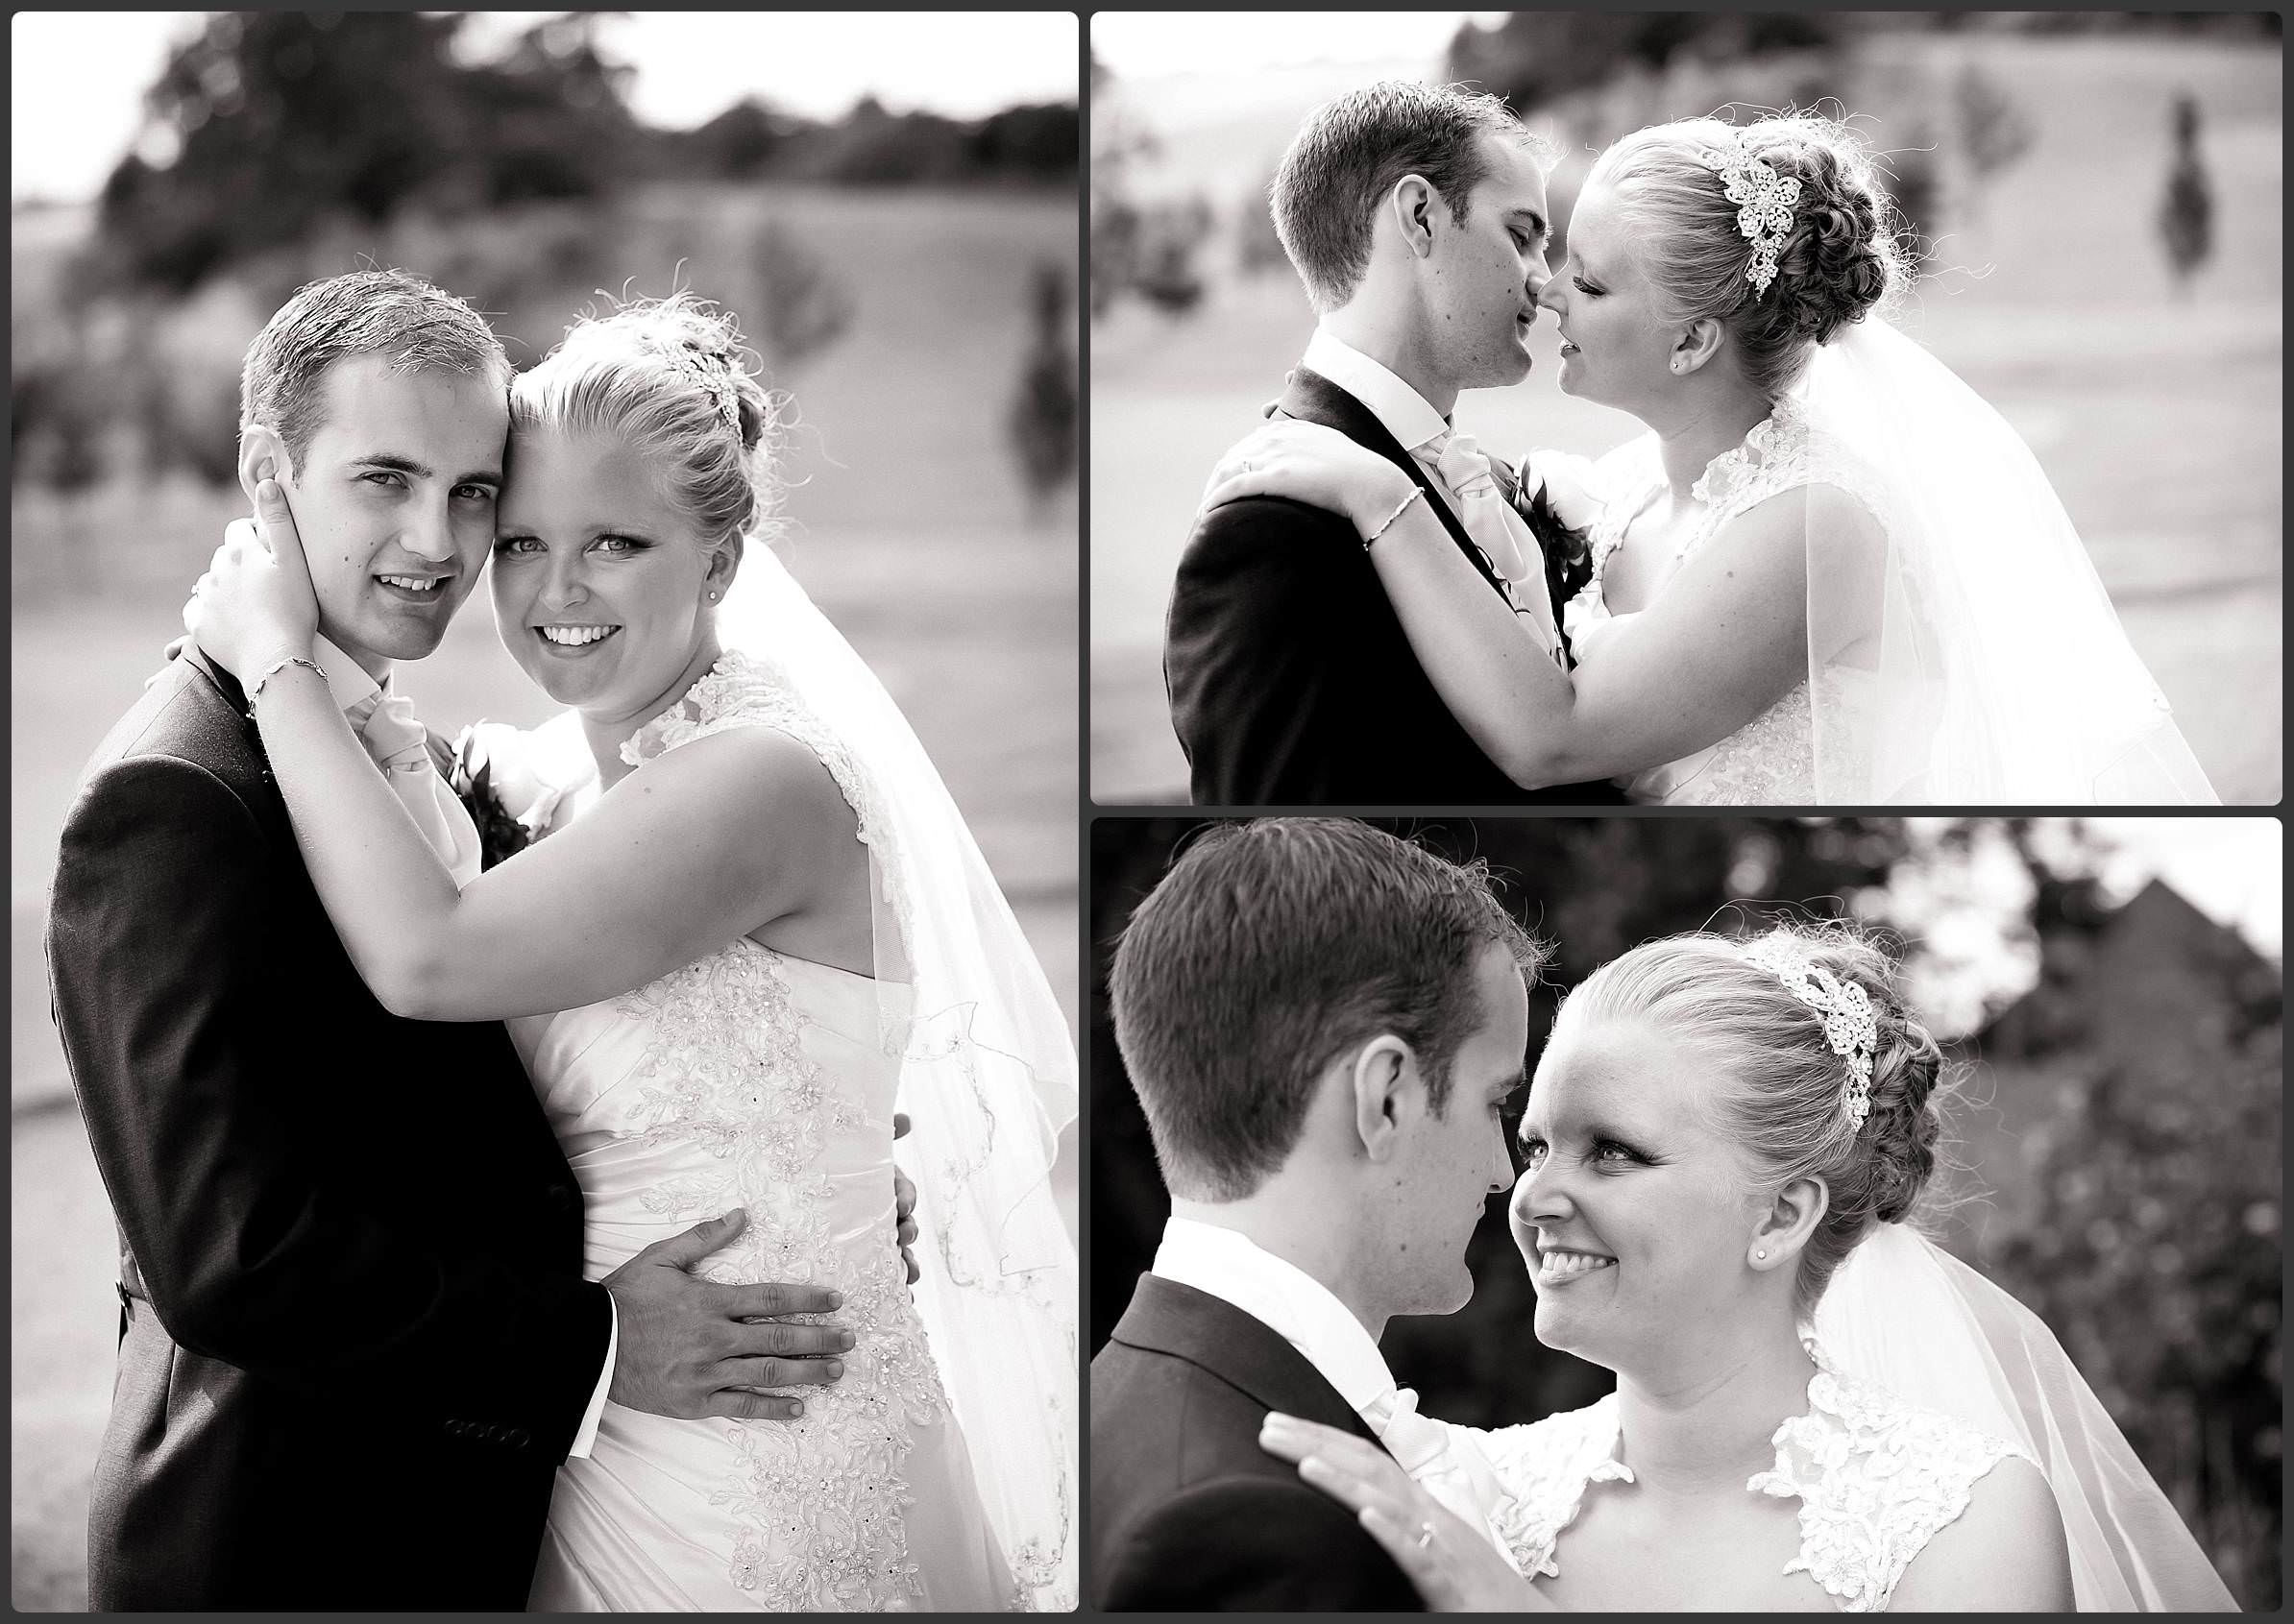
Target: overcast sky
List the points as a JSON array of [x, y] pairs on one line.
[[77, 78]]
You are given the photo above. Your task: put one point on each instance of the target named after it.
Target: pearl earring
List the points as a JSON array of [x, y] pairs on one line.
[[1761, 1254], [712, 594]]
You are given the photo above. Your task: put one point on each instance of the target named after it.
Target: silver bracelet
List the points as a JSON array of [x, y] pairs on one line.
[[273, 669], [1416, 491]]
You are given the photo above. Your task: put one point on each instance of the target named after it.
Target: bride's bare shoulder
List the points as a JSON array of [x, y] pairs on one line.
[[2005, 1553]]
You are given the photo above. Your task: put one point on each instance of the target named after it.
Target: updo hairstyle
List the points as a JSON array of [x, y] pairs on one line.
[[1779, 1090], [669, 378], [1839, 259]]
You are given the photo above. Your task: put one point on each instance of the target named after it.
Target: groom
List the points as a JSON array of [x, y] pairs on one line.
[[1321, 1022], [354, 1337], [1417, 219]]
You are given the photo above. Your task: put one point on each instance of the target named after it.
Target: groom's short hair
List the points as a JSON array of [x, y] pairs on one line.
[[1271, 948], [394, 313], [1351, 152]]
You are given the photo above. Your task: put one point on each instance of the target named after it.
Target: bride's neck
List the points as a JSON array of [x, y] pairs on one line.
[[608, 727], [1703, 1423], [1709, 422]]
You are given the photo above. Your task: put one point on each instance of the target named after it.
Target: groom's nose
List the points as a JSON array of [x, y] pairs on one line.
[[428, 534]]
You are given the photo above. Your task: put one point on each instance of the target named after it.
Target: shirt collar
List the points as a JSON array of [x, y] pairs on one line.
[[346, 677], [1405, 413], [1296, 1306]]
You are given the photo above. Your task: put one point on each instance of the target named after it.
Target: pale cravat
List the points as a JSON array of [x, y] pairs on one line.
[[1443, 1464], [1497, 529], [402, 749]]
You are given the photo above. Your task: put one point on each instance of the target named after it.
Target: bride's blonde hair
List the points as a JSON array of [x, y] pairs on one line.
[[1842, 256], [1779, 1086], [671, 379]]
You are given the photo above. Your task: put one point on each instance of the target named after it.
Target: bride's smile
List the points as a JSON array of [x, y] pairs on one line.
[[601, 584]]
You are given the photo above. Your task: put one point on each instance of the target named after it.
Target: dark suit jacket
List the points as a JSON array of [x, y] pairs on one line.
[[354, 1337], [1289, 678], [1187, 1513]]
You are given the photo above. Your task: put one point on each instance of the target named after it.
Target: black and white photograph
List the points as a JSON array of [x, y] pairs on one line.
[[565, 1101], [1541, 1213], [1800, 409]]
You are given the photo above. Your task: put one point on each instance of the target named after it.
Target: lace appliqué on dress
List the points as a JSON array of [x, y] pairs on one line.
[[1772, 761], [818, 1498], [1546, 1468], [1877, 1478]]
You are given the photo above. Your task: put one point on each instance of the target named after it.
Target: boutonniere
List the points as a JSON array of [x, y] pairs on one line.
[[508, 802]]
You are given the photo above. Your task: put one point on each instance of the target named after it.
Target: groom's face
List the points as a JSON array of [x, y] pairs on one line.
[[1448, 1166], [393, 499], [1487, 273]]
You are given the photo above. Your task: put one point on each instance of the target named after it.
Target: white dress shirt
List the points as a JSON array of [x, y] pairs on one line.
[[1502, 535], [1303, 1311], [356, 692]]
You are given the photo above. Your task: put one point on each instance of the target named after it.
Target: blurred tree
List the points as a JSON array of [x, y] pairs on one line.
[[1535, 57], [1164, 273], [1033, 143], [1042, 422], [2144, 1075], [272, 121], [2186, 214], [800, 311], [1993, 129], [744, 142], [1257, 248], [874, 147]]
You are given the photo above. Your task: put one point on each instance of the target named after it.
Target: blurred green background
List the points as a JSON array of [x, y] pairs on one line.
[[2112, 1136], [907, 276], [2112, 287]]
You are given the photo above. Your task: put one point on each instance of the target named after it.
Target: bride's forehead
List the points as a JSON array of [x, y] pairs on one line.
[[1620, 1071]]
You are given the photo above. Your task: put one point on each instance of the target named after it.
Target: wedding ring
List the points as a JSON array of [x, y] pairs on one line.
[[1425, 1534]]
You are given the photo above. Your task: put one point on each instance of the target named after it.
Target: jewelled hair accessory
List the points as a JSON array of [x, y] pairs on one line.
[[716, 378], [1764, 200], [1850, 1027]]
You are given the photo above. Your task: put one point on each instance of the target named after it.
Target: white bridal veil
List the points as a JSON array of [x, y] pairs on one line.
[[988, 1079], [1966, 654], [1904, 1314]]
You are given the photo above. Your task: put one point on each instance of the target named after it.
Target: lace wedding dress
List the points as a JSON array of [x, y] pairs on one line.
[[1875, 1477], [1960, 648], [752, 1078], [1772, 761]]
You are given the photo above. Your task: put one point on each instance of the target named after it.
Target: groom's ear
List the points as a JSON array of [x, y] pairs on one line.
[[1381, 1073], [263, 455], [1413, 201]]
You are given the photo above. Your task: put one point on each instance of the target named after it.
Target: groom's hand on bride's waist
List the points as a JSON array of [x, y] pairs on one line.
[[688, 1348]]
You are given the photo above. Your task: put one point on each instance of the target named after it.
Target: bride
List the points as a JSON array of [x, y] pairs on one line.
[[752, 924], [1830, 575], [1816, 1408]]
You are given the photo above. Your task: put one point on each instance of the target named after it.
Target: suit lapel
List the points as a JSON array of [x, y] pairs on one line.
[[1165, 1317], [1312, 398]]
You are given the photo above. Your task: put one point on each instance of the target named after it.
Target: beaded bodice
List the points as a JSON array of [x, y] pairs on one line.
[[1876, 1478], [1772, 761]]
